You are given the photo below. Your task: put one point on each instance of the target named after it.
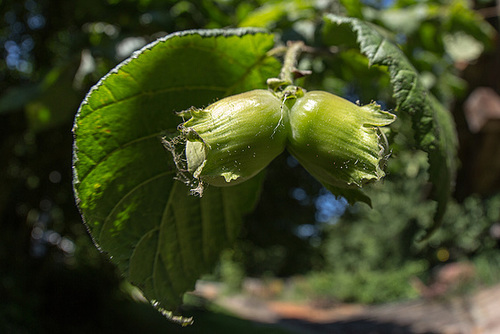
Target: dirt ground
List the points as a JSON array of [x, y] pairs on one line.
[[476, 313]]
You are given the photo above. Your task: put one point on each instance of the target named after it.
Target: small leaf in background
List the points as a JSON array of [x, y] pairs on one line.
[[432, 124], [405, 20], [462, 47], [275, 11], [159, 236], [57, 101], [47, 104]]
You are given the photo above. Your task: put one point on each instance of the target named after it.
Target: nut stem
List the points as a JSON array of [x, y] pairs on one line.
[[289, 70], [291, 59]]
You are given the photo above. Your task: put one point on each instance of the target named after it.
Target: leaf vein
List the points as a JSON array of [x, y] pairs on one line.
[[130, 192], [168, 207], [107, 155], [259, 61]]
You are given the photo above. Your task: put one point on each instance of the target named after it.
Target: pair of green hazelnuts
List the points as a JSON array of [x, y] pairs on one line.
[[336, 141]]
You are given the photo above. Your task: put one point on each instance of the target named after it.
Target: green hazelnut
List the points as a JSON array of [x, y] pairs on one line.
[[338, 142], [233, 139]]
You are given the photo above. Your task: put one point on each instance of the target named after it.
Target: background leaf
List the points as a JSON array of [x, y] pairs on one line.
[[159, 236], [433, 125]]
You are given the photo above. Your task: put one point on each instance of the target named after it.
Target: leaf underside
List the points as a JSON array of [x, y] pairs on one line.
[[433, 125], [160, 237]]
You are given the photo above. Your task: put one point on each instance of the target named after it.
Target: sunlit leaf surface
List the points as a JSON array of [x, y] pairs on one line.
[[159, 236]]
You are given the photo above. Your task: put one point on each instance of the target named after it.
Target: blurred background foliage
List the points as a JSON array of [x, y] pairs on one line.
[[52, 278]]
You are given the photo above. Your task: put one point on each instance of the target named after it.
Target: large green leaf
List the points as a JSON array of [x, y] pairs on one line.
[[159, 236], [433, 125]]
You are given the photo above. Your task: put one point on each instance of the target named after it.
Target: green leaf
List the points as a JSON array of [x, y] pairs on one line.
[[433, 125], [271, 12], [264, 16], [406, 20], [57, 100], [46, 104], [160, 237]]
